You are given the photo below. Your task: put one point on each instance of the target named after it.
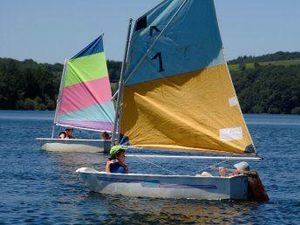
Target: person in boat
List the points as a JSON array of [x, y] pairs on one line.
[[204, 174], [240, 168], [116, 162], [222, 171], [105, 136], [67, 134]]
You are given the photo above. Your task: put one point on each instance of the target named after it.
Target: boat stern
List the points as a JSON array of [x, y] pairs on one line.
[[238, 187]]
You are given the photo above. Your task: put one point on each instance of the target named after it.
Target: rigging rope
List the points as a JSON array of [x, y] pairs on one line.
[[172, 172], [154, 164], [213, 166]]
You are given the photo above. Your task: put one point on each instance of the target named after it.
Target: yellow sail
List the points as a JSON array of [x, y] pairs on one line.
[[178, 93]]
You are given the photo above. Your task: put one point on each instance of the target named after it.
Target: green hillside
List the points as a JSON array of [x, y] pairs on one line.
[[277, 56], [264, 84], [275, 63]]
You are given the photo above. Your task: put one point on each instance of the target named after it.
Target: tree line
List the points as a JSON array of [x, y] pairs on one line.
[[268, 89], [266, 58], [29, 85]]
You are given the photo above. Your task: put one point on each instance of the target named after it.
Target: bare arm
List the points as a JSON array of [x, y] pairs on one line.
[[107, 167]]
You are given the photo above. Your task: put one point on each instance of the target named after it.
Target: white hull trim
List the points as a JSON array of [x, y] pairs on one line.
[[74, 145], [166, 186]]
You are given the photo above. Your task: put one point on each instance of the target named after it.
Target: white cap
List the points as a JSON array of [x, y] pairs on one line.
[[242, 166]]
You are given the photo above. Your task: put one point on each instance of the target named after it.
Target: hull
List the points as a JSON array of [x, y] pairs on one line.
[[74, 145], [166, 186]]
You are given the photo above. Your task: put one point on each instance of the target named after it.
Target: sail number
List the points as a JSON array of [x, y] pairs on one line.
[[158, 57]]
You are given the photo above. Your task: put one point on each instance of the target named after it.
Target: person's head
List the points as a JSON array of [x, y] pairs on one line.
[[120, 156], [105, 135], [118, 152], [244, 166], [69, 131]]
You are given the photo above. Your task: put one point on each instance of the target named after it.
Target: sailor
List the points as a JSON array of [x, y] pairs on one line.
[[105, 136], [241, 167], [67, 134], [116, 162]]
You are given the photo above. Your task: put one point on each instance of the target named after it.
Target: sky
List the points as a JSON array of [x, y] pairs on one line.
[[50, 31]]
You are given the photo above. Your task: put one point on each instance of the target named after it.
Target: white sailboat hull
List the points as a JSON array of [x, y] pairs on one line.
[[74, 145], [166, 186]]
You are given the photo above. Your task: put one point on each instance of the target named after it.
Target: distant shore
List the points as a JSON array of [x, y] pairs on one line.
[[264, 84], [53, 111]]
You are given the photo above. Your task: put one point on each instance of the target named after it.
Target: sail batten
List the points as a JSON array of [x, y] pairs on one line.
[[86, 99], [178, 92]]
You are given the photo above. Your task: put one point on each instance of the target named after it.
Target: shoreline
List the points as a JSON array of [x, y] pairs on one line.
[[275, 114]]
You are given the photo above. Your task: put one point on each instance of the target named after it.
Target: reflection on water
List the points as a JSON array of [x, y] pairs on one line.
[[150, 211]]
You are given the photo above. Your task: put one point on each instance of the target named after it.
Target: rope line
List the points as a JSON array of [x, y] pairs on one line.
[[213, 166], [172, 172], [154, 164]]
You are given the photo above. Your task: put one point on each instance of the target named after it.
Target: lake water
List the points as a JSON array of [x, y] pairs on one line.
[[37, 187]]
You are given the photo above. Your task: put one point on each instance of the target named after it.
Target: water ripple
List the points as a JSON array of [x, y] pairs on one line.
[[42, 188]]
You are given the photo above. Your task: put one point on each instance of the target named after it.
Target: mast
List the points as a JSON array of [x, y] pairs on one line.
[[121, 85], [59, 96], [115, 95]]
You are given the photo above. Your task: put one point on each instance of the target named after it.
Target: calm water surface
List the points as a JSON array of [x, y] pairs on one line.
[[37, 187]]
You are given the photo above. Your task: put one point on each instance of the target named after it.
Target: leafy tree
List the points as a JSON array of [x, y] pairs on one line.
[[296, 110], [261, 89]]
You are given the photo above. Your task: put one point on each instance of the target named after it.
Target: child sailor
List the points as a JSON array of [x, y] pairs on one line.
[[116, 162]]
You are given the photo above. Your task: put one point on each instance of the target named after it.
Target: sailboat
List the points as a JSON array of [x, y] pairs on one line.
[[176, 95], [84, 101]]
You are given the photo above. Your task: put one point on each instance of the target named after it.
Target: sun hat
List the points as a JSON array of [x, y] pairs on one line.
[[242, 166], [115, 149]]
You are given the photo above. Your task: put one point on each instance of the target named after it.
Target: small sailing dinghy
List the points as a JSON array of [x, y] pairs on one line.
[[177, 95], [84, 101]]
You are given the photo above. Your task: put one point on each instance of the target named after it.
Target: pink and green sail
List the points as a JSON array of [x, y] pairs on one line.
[[86, 100]]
